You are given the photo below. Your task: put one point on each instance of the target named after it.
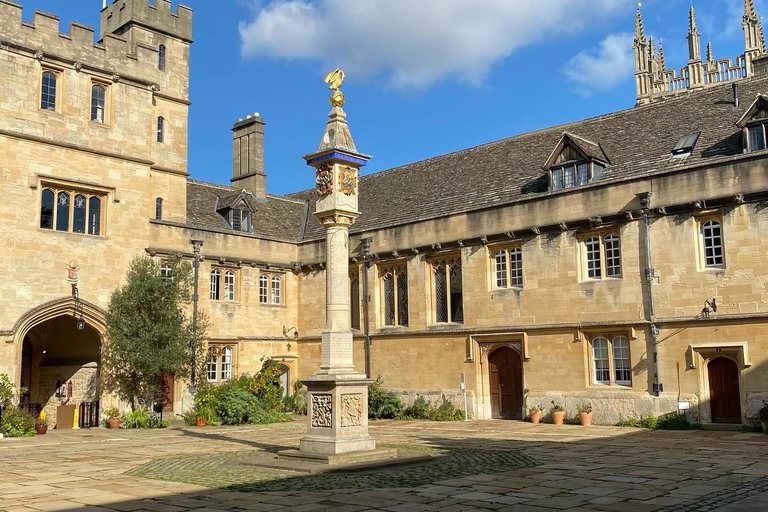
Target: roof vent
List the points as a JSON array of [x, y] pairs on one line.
[[685, 145]]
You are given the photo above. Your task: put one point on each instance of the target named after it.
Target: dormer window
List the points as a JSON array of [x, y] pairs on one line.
[[240, 219], [575, 162], [754, 125]]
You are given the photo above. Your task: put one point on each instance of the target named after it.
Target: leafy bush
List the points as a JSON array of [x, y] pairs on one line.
[[141, 418], [671, 421], [383, 404], [296, 403], [422, 409], [651, 422], [237, 406], [631, 422], [17, 423], [8, 394]]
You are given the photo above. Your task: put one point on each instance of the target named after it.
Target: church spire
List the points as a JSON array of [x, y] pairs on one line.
[[639, 32], [754, 37], [662, 64], [710, 53], [694, 39]]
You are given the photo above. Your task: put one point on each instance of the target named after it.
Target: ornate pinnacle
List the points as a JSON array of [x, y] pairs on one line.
[[662, 65], [710, 54], [651, 49], [749, 11], [692, 28], [639, 32], [335, 78]]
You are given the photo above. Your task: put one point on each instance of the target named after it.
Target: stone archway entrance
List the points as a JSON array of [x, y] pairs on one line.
[[724, 395], [505, 368]]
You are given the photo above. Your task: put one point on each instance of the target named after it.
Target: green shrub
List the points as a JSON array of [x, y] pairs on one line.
[[296, 403], [383, 404], [674, 421], [8, 394], [422, 409], [237, 406], [631, 422], [651, 422], [141, 418], [17, 423]]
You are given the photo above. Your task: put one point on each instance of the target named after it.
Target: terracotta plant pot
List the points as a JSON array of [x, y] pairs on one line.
[[41, 429], [535, 416], [200, 422], [585, 418], [557, 417], [114, 423]]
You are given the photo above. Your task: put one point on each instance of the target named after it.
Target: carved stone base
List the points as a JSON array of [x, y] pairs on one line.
[[337, 410]]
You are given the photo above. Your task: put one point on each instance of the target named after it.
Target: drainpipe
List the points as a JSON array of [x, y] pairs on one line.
[[197, 244], [650, 274], [367, 299]]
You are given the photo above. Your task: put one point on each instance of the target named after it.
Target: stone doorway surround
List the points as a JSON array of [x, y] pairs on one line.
[[698, 358], [479, 346]]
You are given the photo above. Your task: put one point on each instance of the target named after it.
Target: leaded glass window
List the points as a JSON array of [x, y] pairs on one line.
[[161, 58], [500, 259], [600, 361], [216, 284], [508, 267], [354, 300], [394, 280], [212, 364], [593, 257], [229, 285], [276, 290], [612, 256], [449, 299], [712, 238], [94, 216], [159, 208], [62, 211], [161, 129], [48, 92], [98, 103], [78, 218], [569, 176], [557, 178], [583, 174], [46, 209], [226, 363], [263, 289], [621, 368], [757, 138]]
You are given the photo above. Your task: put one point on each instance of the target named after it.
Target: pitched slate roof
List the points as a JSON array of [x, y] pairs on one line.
[[639, 141], [276, 218]]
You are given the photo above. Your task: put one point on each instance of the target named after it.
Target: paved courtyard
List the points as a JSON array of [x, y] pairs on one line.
[[481, 465]]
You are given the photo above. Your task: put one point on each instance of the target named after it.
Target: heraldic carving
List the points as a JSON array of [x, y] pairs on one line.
[[351, 410], [322, 406], [324, 179], [348, 181]]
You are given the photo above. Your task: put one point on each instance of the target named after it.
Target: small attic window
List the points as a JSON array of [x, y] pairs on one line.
[[685, 144], [754, 124], [575, 162], [240, 219]]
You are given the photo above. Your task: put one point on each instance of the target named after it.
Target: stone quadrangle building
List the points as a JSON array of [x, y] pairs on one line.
[[621, 260]]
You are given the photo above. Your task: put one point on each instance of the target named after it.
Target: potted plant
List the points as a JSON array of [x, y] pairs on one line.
[[534, 412], [558, 413], [113, 417], [41, 424], [202, 416], [585, 413], [762, 415]]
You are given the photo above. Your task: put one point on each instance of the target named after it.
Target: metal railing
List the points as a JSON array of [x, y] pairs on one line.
[[89, 415]]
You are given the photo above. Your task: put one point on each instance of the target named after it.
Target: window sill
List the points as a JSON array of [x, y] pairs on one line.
[[275, 306], [507, 289], [72, 233], [445, 326], [612, 387]]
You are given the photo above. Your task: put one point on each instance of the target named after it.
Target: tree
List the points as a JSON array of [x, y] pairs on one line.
[[149, 335]]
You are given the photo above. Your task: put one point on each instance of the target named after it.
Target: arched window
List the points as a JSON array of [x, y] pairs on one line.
[[712, 237], [62, 212], [285, 373], [46, 209], [600, 362], [226, 363], [78, 217], [594, 270], [94, 216], [160, 129], [263, 289], [276, 290], [48, 92], [215, 284], [612, 256], [213, 364], [98, 102], [161, 58], [159, 208], [229, 285]]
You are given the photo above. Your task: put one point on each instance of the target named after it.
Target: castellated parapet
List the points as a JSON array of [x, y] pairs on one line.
[[114, 55], [159, 17]]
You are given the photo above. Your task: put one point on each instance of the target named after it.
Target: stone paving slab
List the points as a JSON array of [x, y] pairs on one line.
[[507, 466]]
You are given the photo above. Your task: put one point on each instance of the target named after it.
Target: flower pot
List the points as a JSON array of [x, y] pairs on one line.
[[585, 418], [200, 422], [535, 416], [557, 417], [41, 429], [114, 423]]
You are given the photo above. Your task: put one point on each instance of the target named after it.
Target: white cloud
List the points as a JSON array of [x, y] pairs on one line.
[[414, 42], [612, 63]]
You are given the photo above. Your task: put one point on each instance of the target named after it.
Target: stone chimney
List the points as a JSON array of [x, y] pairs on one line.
[[248, 155]]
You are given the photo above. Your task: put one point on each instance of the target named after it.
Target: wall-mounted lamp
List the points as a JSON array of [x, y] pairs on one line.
[[709, 306], [286, 332], [73, 276]]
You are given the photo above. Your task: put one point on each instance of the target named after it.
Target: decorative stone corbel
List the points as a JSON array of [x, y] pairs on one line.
[[39, 55], [536, 231], [563, 226], [78, 66], [484, 240], [395, 254], [437, 247], [154, 88], [739, 199], [595, 222], [661, 210], [460, 242], [415, 251], [116, 77], [510, 235]]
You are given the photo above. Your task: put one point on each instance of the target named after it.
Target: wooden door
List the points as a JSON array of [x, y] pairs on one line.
[[506, 379], [724, 396]]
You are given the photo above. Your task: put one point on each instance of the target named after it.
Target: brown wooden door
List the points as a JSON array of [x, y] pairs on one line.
[[724, 394], [506, 379]]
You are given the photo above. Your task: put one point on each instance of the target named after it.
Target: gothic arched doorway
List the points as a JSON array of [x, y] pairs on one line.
[[724, 395], [505, 368]]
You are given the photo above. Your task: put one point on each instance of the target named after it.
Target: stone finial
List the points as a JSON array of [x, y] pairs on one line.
[[749, 11], [639, 32], [692, 28], [662, 64], [337, 134], [710, 53], [651, 49]]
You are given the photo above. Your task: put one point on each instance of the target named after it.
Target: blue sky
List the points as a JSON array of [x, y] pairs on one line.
[[424, 77]]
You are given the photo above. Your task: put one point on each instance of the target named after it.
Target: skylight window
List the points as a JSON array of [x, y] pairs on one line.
[[685, 144]]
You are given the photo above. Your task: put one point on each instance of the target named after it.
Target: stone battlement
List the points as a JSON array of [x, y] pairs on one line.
[[159, 17], [113, 54]]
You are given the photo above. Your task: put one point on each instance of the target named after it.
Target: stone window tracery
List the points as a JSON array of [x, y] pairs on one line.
[[394, 284], [219, 363], [448, 290], [70, 211]]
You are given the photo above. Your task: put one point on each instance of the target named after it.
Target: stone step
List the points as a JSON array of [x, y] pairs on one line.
[[724, 427]]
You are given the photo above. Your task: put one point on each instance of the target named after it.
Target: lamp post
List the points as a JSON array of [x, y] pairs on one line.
[[196, 245]]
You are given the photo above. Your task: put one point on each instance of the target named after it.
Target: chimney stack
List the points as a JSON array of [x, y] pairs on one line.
[[248, 155]]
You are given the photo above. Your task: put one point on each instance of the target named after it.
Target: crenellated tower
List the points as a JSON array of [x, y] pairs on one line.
[[654, 81]]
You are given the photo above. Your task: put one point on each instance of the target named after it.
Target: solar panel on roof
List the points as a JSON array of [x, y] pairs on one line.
[[685, 143]]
